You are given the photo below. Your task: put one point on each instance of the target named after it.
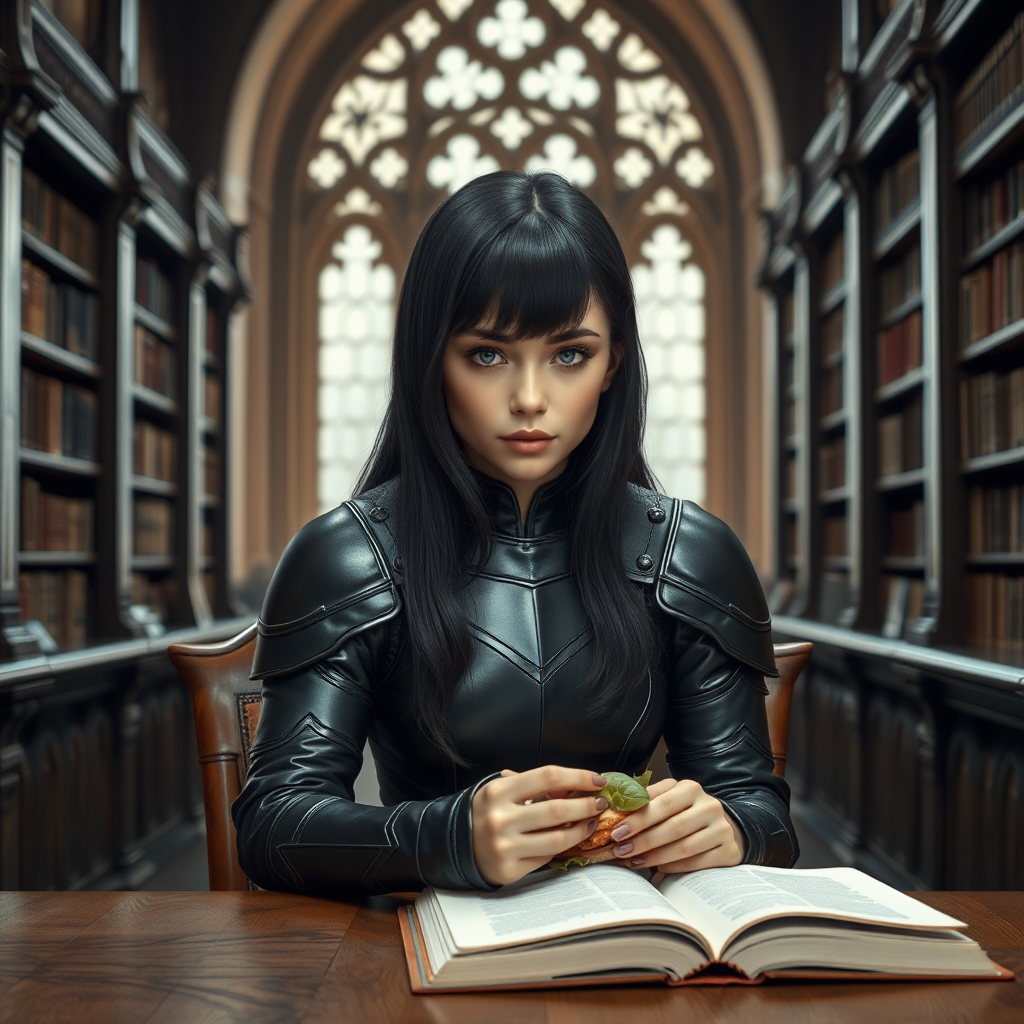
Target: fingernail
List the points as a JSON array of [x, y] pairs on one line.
[[624, 850], [621, 832], [599, 780], [602, 804], [591, 825], [637, 862]]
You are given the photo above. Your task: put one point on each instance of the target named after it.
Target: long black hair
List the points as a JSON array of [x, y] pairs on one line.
[[526, 252]]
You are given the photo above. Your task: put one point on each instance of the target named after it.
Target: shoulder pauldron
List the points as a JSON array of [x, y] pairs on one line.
[[700, 573], [333, 581]]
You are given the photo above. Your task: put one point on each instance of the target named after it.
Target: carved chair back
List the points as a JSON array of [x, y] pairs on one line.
[[226, 707]]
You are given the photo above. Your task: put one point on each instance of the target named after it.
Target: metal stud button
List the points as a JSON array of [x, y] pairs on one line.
[[645, 563], [398, 563], [379, 513], [656, 515]]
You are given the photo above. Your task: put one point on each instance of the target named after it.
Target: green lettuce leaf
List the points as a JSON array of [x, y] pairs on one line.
[[569, 862], [625, 793]]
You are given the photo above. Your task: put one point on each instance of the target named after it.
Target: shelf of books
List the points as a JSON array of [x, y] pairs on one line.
[[156, 427], [213, 528], [899, 384], [116, 483], [832, 368], [989, 172], [791, 433], [60, 373]]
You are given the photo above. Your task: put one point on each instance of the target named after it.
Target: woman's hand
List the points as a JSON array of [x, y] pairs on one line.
[[514, 834], [681, 829]]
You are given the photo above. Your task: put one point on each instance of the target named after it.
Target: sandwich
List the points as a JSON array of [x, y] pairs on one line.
[[625, 794]]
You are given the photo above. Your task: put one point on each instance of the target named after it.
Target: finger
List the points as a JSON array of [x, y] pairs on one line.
[[548, 779], [693, 845], [549, 843], [720, 857], [674, 800], [679, 826], [657, 788], [556, 813]]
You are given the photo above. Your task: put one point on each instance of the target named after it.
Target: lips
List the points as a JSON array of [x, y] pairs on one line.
[[528, 442]]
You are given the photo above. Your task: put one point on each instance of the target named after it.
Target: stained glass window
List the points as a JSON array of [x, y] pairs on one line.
[[451, 89]]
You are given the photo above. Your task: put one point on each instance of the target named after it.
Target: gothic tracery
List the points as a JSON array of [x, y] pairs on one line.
[[457, 88]]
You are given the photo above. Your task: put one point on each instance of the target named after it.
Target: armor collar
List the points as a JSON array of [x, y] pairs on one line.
[[548, 510]]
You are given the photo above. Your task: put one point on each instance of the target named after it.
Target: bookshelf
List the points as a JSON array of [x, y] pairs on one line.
[[911, 223], [988, 171], [114, 364], [908, 218]]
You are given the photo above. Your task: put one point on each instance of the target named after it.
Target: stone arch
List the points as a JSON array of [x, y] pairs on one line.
[[280, 77]]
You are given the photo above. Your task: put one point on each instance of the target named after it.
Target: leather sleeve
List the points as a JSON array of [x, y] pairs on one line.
[[716, 732], [298, 826]]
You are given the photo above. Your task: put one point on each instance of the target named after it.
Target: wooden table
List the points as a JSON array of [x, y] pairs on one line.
[[174, 958]]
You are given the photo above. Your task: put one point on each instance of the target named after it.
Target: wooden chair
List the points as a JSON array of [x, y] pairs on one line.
[[226, 707]]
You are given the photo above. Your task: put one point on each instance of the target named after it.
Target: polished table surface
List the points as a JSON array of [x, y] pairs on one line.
[[179, 957]]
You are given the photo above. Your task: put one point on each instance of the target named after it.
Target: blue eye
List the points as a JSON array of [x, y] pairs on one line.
[[487, 356], [569, 357]]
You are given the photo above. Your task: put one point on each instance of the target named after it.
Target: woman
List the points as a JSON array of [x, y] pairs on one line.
[[508, 607]]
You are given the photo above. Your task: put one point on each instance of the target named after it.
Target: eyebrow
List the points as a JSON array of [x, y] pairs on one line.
[[568, 335]]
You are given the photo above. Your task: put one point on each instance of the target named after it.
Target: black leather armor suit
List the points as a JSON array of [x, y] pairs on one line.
[[335, 664]]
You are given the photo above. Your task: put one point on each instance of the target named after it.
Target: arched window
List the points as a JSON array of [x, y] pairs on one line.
[[451, 89]]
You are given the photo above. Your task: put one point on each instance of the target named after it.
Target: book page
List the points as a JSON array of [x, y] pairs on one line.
[[552, 905], [722, 902]]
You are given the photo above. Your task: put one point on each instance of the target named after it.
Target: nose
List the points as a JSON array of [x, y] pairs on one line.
[[528, 397]]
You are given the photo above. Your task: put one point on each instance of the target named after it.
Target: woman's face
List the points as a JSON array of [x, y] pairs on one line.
[[522, 405]]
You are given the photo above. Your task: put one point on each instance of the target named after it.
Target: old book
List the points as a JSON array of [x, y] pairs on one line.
[[153, 526], [992, 88], [740, 925], [31, 495], [79, 422], [834, 530], [80, 314], [890, 444], [212, 397], [975, 303], [76, 608], [77, 235]]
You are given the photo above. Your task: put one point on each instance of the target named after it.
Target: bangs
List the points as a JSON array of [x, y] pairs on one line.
[[534, 279]]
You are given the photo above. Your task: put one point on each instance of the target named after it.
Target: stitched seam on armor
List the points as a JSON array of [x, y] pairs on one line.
[[630, 739], [268, 859], [294, 625], [301, 827], [296, 878], [703, 627], [551, 670], [453, 843], [308, 721], [733, 740], [416, 849], [752, 830], [373, 869], [723, 689], [341, 682], [378, 554], [335, 644], [745, 620]]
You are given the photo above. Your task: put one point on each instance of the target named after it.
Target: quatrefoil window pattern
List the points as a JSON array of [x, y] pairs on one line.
[[447, 90]]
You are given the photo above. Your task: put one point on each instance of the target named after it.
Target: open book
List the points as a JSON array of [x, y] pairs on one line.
[[605, 924]]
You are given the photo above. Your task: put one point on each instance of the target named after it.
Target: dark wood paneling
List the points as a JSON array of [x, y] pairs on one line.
[[913, 776], [97, 769]]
